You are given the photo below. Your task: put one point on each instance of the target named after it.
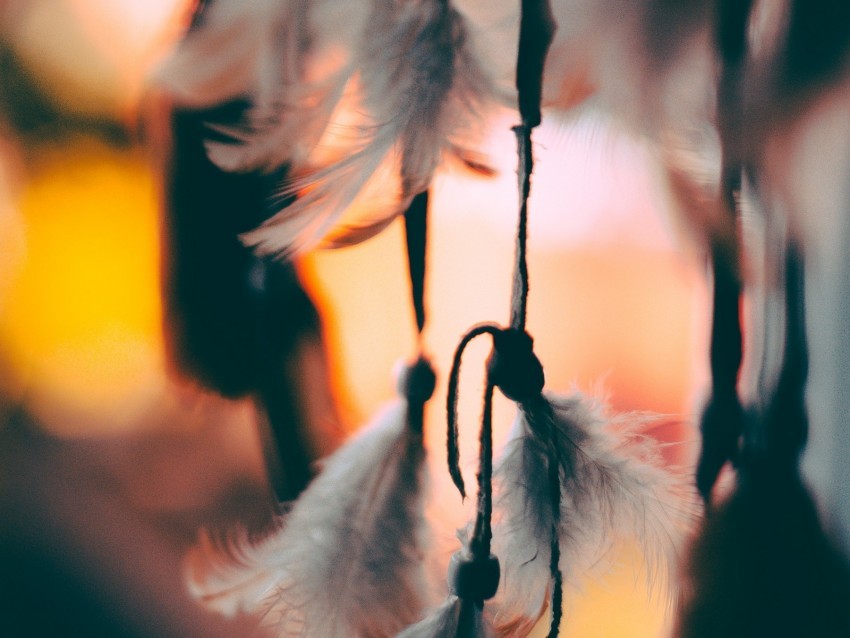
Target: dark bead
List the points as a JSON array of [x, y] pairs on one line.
[[416, 382], [475, 579], [513, 367]]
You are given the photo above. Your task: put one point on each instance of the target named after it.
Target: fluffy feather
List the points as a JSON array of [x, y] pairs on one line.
[[292, 59], [612, 484], [348, 560], [417, 90], [227, 578], [455, 618]]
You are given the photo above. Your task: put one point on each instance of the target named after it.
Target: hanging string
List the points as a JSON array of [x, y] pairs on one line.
[[536, 30], [512, 365], [519, 294], [452, 400], [722, 420], [483, 534], [418, 382], [416, 238]]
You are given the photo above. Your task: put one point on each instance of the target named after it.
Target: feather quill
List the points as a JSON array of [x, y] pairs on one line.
[[612, 484], [348, 559]]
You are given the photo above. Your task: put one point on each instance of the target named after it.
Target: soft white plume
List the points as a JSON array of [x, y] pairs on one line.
[[348, 560], [613, 483], [455, 618], [341, 93], [416, 91]]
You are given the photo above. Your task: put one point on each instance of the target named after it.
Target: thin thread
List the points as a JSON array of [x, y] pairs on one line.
[[537, 28], [519, 294], [416, 238], [416, 241], [483, 533], [453, 453], [542, 410]]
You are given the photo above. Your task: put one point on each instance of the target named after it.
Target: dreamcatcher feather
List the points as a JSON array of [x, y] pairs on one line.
[[347, 560], [377, 86], [613, 483]]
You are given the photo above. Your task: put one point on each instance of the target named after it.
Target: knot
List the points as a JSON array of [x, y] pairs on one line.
[[513, 367], [471, 578], [416, 382]]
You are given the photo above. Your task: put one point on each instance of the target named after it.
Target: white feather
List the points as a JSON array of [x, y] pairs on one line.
[[415, 92], [455, 618], [348, 560], [228, 579], [613, 484]]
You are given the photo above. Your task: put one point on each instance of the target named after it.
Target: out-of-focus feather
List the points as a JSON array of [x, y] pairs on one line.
[[226, 579], [613, 483], [348, 560], [418, 91], [455, 618]]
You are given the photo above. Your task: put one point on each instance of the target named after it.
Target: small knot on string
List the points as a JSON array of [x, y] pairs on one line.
[[474, 578], [416, 382], [513, 367]]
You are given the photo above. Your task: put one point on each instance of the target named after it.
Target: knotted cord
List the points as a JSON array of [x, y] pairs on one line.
[[512, 366]]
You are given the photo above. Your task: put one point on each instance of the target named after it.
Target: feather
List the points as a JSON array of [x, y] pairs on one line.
[[348, 560], [292, 59], [455, 618], [612, 484], [227, 579], [417, 93]]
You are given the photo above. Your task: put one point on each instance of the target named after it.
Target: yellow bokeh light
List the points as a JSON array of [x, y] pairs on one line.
[[81, 320]]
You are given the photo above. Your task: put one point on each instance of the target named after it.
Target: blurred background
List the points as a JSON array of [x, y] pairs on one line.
[[121, 434]]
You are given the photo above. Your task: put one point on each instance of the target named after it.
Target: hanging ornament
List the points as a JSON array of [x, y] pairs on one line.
[[763, 564], [473, 571], [347, 560], [569, 484], [348, 557], [387, 87]]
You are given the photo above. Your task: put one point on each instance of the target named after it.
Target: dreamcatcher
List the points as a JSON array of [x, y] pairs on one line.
[[410, 78]]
